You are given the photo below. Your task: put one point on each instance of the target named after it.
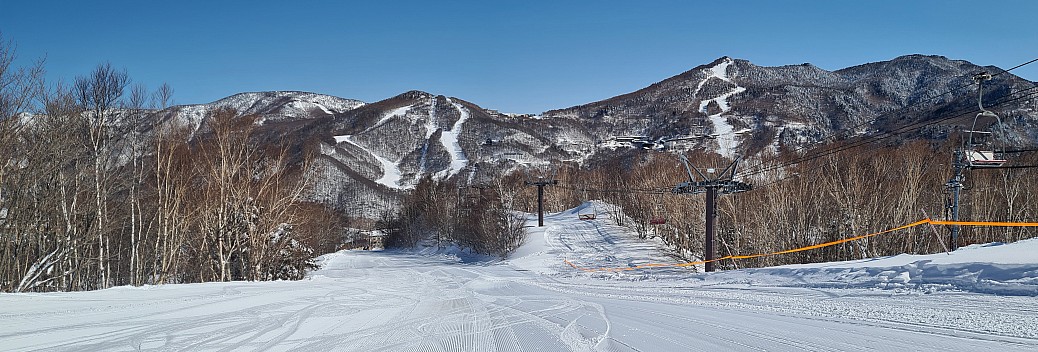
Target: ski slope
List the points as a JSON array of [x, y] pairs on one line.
[[449, 140], [533, 301], [724, 131], [391, 174]]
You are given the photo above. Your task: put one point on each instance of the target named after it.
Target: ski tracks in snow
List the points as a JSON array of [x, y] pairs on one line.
[[398, 301]]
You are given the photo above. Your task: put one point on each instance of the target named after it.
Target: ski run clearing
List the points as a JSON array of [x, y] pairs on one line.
[[391, 175], [979, 298], [449, 139], [724, 131]]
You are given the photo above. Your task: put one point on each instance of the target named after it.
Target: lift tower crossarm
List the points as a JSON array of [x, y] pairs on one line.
[[723, 182]]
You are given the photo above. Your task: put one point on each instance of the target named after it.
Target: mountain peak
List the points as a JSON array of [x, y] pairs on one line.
[[722, 59], [415, 94]]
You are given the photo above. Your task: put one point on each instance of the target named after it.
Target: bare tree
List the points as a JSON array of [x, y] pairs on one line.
[[100, 93], [172, 179]]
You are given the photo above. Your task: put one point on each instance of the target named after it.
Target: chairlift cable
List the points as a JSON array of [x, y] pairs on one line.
[[881, 136], [862, 142], [848, 147], [1016, 67], [1009, 167], [1027, 93], [1014, 151], [887, 134], [916, 105]]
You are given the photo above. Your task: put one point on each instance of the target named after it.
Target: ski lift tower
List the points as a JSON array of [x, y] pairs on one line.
[[542, 181], [712, 183], [978, 152]]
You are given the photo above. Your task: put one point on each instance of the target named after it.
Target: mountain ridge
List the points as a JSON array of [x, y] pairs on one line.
[[728, 106]]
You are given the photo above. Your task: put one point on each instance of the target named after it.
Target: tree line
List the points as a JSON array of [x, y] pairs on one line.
[[846, 194], [97, 190], [480, 218]]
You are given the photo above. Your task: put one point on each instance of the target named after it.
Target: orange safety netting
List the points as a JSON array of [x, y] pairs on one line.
[[814, 246]]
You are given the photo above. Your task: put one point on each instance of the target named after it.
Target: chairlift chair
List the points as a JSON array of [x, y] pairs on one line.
[[658, 219], [980, 151], [588, 216]]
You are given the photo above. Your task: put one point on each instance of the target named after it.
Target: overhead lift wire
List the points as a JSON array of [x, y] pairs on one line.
[[1012, 167], [618, 190], [963, 112], [887, 134], [851, 146], [901, 110], [848, 147], [883, 136], [1016, 67], [806, 248], [861, 142]]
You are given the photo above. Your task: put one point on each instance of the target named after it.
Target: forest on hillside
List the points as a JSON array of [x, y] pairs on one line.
[[839, 195], [95, 192], [850, 193], [98, 191]]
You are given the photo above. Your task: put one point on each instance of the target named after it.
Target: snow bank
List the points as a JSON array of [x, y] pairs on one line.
[[994, 268]]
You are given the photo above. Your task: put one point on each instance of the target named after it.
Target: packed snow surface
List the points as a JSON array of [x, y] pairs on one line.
[[724, 131], [979, 298], [449, 139], [398, 112], [390, 169]]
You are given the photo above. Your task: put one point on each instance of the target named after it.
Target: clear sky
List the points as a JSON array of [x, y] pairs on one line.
[[515, 56]]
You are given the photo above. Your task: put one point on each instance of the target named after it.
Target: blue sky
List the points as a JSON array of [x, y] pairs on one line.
[[514, 56]]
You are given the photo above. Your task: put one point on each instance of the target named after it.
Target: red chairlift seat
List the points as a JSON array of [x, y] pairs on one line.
[[657, 221]]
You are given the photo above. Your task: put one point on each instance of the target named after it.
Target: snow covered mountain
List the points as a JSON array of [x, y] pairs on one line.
[[749, 108], [372, 152], [277, 106]]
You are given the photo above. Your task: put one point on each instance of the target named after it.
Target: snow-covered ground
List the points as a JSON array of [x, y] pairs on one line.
[[391, 174], [725, 132], [534, 301], [449, 139], [398, 112]]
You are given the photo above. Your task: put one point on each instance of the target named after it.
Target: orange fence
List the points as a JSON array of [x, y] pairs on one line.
[[814, 246]]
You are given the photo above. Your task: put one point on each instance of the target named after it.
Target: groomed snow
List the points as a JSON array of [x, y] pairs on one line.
[[429, 300], [391, 175], [401, 111], [724, 131], [449, 139]]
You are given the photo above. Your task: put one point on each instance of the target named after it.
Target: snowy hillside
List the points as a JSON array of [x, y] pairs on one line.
[[978, 298], [750, 108], [729, 107], [270, 106]]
